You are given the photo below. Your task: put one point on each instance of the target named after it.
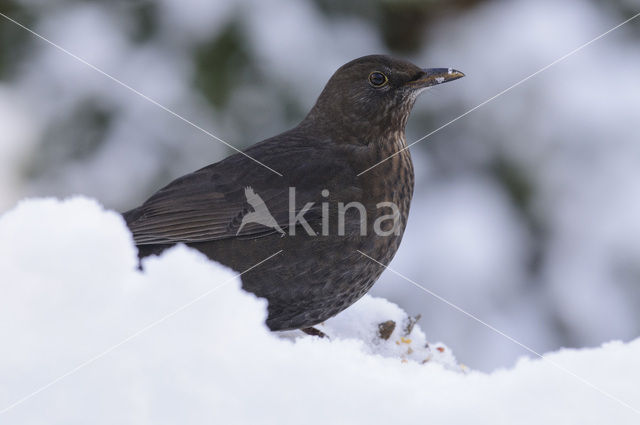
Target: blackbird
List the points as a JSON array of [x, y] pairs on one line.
[[302, 194]]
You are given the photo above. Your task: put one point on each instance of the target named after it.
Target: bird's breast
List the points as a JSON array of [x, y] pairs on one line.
[[390, 181]]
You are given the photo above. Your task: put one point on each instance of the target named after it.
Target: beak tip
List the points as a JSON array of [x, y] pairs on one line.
[[455, 73]]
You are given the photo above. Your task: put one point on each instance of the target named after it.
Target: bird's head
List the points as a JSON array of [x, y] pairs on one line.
[[374, 94]]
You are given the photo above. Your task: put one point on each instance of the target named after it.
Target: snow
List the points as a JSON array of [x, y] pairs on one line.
[[406, 341], [180, 342]]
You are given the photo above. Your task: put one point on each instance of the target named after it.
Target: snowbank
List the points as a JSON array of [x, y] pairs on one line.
[[88, 338]]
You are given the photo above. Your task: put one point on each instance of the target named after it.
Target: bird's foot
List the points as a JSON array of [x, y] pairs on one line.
[[314, 332]]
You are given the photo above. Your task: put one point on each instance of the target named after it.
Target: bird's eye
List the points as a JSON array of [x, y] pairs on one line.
[[378, 79]]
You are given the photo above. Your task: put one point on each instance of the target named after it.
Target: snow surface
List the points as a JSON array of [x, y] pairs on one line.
[[94, 340]]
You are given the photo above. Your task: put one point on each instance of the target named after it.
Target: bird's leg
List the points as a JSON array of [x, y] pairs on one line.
[[314, 332]]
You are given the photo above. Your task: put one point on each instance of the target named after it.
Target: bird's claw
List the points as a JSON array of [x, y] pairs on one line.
[[314, 332]]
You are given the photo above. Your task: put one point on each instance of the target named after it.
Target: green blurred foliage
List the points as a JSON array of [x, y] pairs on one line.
[[222, 63], [402, 23], [145, 13], [77, 136], [13, 39]]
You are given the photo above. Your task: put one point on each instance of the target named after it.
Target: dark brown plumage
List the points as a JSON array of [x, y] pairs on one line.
[[357, 121]]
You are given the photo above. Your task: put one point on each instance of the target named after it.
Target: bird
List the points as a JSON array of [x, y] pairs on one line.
[[337, 185], [260, 213]]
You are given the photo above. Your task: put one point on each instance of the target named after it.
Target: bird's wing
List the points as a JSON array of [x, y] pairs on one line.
[[209, 204]]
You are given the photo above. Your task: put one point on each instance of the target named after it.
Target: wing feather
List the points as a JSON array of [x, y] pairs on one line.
[[210, 203]]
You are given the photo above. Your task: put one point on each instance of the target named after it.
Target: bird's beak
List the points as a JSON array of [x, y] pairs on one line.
[[434, 76]]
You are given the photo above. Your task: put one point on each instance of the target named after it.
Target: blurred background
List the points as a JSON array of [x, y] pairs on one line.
[[526, 212]]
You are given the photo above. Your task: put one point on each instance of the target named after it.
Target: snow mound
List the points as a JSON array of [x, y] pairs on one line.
[[384, 328], [87, 337]]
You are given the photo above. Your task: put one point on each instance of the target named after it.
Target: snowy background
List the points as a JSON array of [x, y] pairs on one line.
[[525, 213]]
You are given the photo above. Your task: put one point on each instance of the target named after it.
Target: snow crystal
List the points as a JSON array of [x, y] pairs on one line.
[[86, 334]]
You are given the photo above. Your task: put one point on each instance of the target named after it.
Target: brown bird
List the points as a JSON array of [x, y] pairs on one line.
[[320, 211]]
